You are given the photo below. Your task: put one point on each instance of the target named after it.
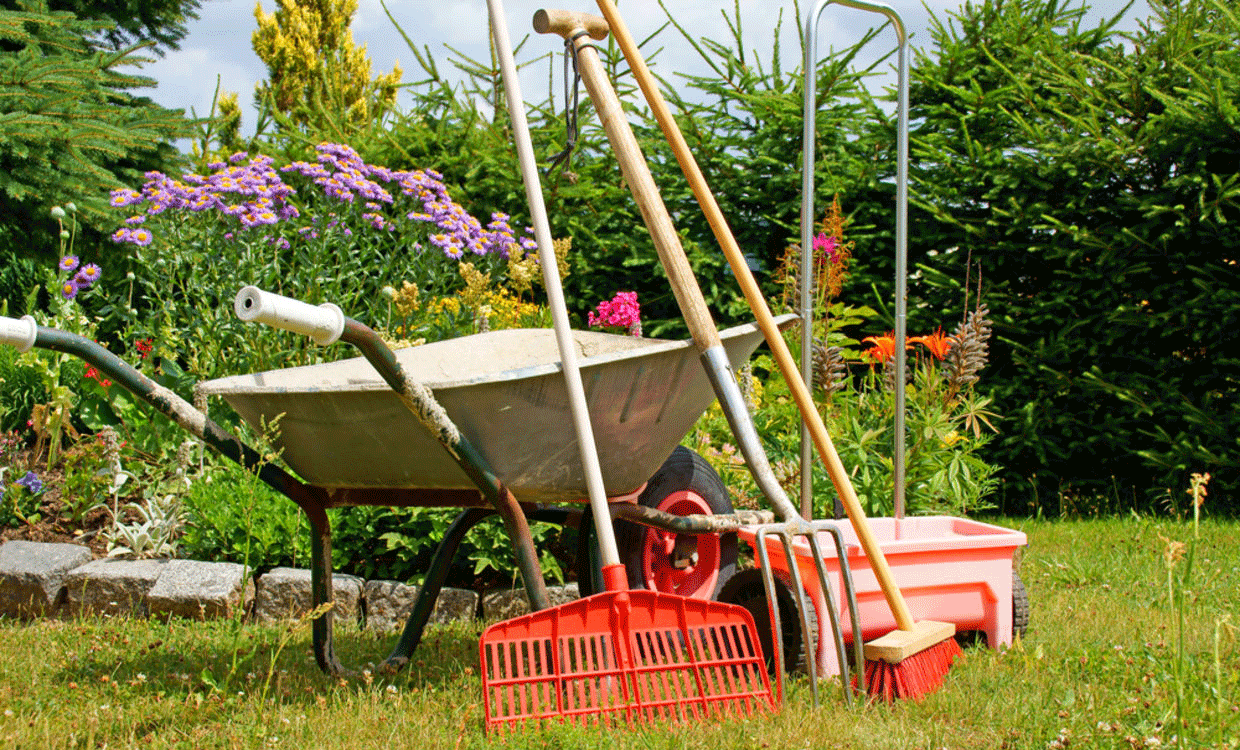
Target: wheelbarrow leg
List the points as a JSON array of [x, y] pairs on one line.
[[518, 528], [436, 575], [321, 590]]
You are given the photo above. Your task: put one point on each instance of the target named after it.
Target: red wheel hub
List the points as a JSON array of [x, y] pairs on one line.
[[683, 564]]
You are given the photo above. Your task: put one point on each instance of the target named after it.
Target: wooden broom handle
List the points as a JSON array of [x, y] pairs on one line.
[[757, 302], [635, 170]]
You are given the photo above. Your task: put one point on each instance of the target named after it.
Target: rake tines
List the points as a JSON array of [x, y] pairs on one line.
[[623, 657]]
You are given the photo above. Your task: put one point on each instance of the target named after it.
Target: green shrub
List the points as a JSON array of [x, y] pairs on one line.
[[231, 516], [1093, 177]]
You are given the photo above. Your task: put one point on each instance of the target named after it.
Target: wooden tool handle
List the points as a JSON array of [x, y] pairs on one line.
[[637, 174], [757, 302], [568, 22]]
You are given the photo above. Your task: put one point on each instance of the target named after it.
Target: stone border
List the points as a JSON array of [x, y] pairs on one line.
[[38, 579]]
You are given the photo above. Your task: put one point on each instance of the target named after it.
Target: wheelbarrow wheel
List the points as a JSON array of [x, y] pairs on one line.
[[685, 564], [747, 590]]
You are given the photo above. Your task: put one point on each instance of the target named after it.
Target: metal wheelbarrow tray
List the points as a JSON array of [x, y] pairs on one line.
[[343, 427]]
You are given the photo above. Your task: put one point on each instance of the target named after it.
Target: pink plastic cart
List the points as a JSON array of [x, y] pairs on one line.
[[949, 569]]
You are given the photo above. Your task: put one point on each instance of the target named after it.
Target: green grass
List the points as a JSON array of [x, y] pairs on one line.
[[1102, 666]]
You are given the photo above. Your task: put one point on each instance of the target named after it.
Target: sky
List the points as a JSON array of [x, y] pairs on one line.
[[218, 45]]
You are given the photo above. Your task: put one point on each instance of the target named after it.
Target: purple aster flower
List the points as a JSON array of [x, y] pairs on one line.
[[122, 234], [31, 482], [124, 197], [133, 221], [68, 263], [141, 237], [239, 156], [88, 275], [69, 289]]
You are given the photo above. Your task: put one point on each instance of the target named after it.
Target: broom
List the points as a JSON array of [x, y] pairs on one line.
[[912, 660]]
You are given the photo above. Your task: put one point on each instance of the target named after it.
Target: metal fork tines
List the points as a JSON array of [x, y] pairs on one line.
[[786, 532]]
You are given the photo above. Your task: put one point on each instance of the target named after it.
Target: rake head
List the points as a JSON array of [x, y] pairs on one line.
[[621, 657]]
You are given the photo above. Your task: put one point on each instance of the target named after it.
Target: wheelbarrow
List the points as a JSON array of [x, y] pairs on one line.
[[504, 391]]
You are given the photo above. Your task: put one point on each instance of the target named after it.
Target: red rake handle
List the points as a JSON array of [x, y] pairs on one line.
[[757, 302]]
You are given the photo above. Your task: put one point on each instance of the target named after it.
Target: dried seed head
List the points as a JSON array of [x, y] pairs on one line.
[[829, 367], [969, 351]]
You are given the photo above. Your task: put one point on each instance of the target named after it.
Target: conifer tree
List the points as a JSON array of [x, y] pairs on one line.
[[316, 75], [69, 128], [162, 22]]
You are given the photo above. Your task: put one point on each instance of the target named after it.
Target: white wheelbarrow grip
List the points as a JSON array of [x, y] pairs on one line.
[[20, 333], [323, 323]]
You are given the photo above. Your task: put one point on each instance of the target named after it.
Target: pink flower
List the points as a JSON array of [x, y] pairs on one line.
[[825, 245], [621, 312]]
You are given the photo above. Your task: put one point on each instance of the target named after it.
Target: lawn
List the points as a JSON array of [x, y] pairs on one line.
[[1131, 644]]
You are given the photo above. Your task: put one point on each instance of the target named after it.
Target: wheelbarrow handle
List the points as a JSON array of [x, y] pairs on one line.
[[326, 324], [19, 332], [323, 323]]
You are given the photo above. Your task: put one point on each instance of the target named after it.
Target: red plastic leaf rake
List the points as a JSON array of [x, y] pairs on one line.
[[619, 655], [624, 655]]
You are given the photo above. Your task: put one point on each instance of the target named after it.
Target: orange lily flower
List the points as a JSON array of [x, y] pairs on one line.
[[938, 342], [884, 347]]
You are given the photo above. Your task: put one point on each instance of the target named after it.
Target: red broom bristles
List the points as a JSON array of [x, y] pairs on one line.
[[915, 677]]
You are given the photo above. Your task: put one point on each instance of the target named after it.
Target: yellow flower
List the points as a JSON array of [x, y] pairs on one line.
[[406, 300]]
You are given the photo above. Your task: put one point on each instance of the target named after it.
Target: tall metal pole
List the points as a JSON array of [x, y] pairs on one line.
[[809, 140]]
